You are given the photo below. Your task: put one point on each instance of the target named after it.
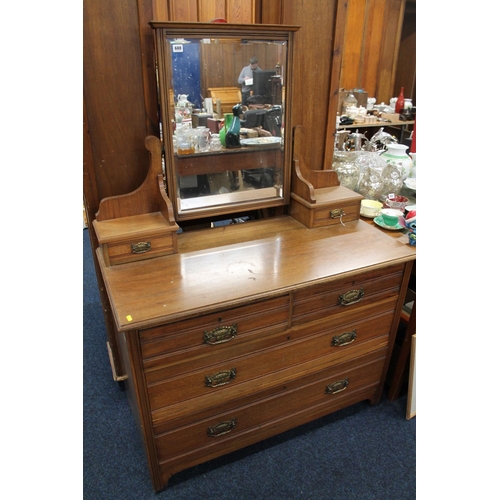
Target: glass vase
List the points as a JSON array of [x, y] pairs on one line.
[[370, 184]]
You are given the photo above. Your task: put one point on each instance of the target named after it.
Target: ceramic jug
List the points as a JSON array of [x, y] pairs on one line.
[[182, 100], [397, 153]]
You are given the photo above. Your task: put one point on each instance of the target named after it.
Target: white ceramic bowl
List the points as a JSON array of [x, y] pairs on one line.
[[370, 208], [411, 183]]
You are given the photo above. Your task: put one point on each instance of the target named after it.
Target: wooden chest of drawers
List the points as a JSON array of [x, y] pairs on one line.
[[252, 330]]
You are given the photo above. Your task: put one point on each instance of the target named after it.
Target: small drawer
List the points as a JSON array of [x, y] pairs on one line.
[[317, 393], [139, 249], [323, 300], [137, 237], [332, 206], [335, 213]]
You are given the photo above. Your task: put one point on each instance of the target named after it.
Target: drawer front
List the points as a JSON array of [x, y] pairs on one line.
[[213, 333], [319, 301], [324, 389], [330, 215], [325, 346], [132, 251]]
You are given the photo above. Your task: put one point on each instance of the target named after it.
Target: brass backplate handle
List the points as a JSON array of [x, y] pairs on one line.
[[351, 297], [221, 378], [141, 247], [344, 338], [222, 428], [339, 386], [220, 334], [337, 212]]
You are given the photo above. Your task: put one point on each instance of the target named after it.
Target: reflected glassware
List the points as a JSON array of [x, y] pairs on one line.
[[185, 139], [203, 136], [393, 181], [370, 184], [215, 144]]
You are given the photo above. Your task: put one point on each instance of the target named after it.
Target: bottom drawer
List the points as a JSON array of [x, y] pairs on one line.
[[318, 395]]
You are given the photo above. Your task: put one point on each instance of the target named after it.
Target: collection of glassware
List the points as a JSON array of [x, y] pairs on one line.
[[376, 168]]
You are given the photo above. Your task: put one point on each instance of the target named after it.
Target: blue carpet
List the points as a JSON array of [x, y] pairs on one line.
[[362, 452]]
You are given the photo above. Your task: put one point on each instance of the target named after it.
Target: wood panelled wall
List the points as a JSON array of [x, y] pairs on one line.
[[341, 43], [222, 62]]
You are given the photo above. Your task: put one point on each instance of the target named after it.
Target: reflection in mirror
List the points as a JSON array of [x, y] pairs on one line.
[[212, 171], [223, 119]]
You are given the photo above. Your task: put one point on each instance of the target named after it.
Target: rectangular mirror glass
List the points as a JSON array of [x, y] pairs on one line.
[[224, 100]]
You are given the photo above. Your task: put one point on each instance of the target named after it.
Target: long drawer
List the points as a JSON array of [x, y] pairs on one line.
[[176, 363], [317, 395], [259, 370]]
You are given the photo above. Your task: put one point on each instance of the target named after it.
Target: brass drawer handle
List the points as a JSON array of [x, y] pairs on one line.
[[338, 212], [221, 378], [141, 247], [222, 428], [220, 335], [344, 338], [351, 297], [339, 386]]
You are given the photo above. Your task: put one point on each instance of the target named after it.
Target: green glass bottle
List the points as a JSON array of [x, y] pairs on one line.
[[228, 119], [233, 133]]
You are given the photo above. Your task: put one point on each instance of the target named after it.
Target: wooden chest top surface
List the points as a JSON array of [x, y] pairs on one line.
[[236, 264]]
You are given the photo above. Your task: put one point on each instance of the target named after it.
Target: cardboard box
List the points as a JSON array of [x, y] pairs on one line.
[[393, 117], [214, 125]]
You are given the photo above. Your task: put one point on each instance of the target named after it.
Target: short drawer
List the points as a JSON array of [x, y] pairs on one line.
[[136, 237], [216, 384], [322, 390], [319, 301], [213, 333], [335, 213], [139, 249], [333, 205]]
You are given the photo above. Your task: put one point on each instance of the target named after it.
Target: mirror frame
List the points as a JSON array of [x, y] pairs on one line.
[[166, 30]]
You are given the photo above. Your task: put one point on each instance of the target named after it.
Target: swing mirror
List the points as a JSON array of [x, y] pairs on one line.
[[198, 65]]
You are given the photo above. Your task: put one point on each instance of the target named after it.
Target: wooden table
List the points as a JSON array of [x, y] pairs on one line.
[[230, 159]]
